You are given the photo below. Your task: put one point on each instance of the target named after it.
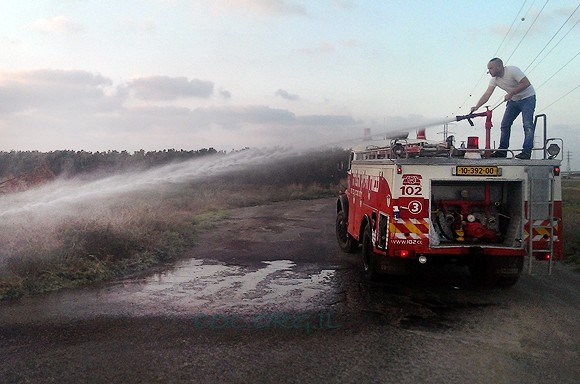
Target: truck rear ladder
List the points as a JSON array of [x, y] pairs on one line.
[[541, 214]]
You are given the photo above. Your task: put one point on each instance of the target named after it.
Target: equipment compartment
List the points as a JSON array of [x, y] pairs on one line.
[[476, 212]]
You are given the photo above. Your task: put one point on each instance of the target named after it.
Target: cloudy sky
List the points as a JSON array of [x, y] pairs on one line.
[[191, 74]]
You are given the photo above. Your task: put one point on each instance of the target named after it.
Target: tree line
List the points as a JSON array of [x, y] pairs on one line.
[[72, 163], [324, 166]]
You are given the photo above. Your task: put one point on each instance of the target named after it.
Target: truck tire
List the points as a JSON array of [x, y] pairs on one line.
[[368, 256], [484, 270], [516, 263], [345, 242]]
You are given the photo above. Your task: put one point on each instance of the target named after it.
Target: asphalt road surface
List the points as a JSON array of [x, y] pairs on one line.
[[267, 297]]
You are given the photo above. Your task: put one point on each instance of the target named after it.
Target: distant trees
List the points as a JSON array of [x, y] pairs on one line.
[[21, 169], [72, 163]]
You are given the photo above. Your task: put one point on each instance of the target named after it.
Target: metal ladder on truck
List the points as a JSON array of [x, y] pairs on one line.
[[541, 213]]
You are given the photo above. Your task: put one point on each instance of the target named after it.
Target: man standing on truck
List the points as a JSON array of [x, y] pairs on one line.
[[520, 97]]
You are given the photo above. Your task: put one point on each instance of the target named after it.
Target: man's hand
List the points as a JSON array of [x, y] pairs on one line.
[[473, 109], [508, 96]]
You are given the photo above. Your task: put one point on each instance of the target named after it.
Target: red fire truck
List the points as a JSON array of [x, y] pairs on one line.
[[420, 201]]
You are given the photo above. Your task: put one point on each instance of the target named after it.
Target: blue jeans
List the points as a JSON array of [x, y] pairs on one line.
[[513, 108]]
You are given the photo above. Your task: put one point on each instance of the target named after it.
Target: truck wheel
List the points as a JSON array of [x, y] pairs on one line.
[[368, 256], [514, 263], [345, 242]]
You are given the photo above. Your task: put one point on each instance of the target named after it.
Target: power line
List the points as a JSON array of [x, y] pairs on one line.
[[550, 51], [560, 98], [548, 43], [562, 67], [494, 55], [500, 101], [525, 34], [509, 30], [528, 30]]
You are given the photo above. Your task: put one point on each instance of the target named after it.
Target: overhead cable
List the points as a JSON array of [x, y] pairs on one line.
[[560, 98], [562, 67], [559, 41], [494, 55], [528, 30]]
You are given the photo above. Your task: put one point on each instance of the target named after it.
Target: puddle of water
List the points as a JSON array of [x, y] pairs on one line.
[[193, 287], [210, 288]]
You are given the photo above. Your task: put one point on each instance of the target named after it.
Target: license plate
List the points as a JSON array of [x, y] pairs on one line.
[[477, 170]]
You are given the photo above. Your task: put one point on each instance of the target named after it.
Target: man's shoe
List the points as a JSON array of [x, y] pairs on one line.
[[498, 154], [523, 156]]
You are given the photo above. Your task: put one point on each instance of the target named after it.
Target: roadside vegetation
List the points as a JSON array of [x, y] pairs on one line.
[[139, 231], [571, 216]]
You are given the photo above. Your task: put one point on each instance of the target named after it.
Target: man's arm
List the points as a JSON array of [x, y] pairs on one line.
[[484, 98], [523, 84]]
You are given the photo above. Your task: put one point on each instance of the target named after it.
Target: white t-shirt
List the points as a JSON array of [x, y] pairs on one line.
[[511, 78]]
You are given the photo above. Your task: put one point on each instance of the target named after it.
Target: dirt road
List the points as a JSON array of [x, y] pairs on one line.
[[267, 296]]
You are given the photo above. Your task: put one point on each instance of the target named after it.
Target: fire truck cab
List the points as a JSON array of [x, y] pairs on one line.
[[416, 201]]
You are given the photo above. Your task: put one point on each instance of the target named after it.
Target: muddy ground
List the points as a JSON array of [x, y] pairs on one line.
[[267, 296]]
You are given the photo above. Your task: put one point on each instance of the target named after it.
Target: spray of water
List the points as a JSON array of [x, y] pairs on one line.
[[396, 130], [415, 127], [56, 197], [34, 215], [32, 221]]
